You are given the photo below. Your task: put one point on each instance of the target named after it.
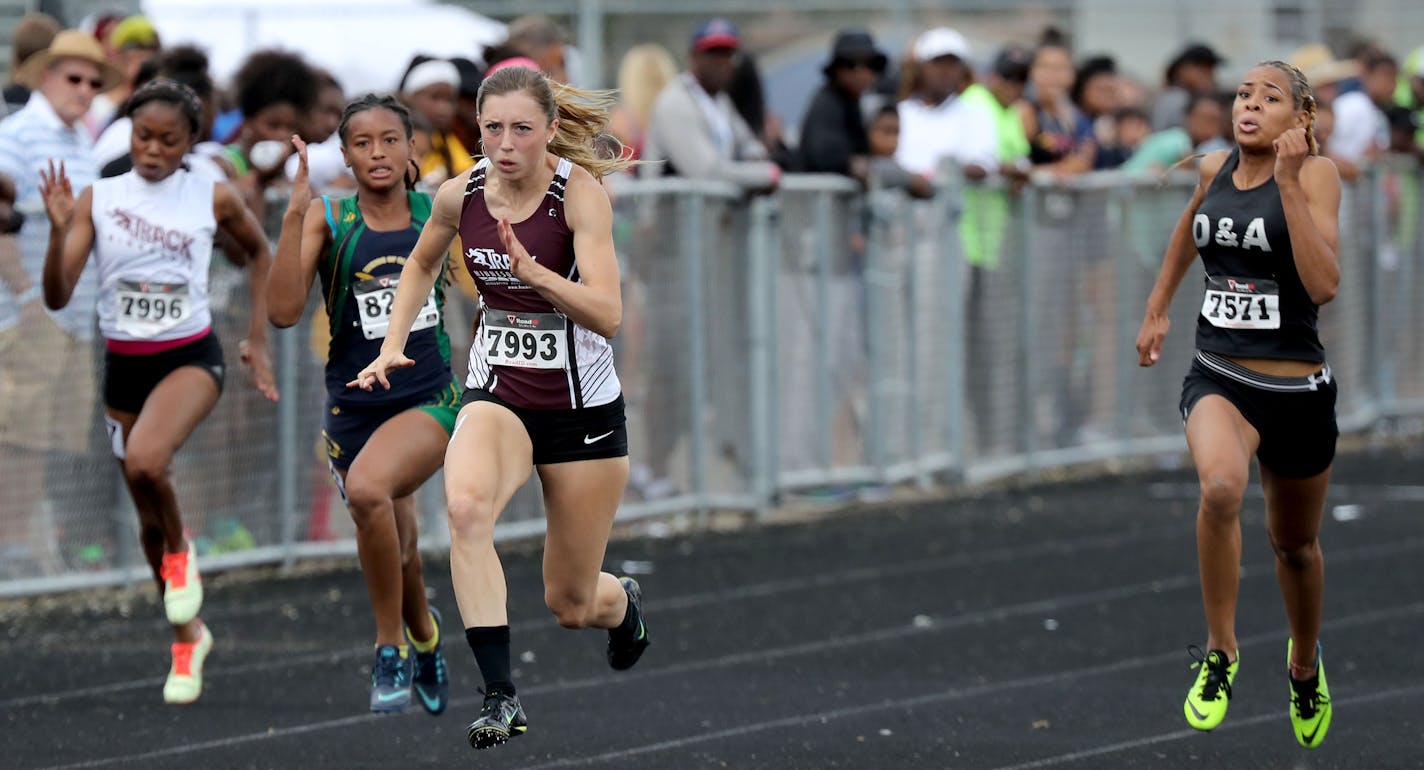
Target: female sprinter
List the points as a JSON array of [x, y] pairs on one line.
[[151, 231], [1265, 220], [381, 446], [536, 227]]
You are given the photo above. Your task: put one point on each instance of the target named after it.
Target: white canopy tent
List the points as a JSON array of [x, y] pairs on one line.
[[366, 44]]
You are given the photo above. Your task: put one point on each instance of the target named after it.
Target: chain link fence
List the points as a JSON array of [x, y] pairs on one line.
[[821, 343]]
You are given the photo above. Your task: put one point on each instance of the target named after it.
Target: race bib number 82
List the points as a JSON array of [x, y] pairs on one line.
[[376, 297]]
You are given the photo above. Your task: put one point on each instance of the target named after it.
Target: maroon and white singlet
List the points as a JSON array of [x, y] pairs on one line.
[[525, 351]]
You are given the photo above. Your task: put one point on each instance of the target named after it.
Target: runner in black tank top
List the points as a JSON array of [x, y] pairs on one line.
[[1265, 219], [382, 446], [552, 269]]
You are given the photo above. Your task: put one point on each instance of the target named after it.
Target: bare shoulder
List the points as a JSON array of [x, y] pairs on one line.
[[1211, 165], [1318, 169], [585, 200], [449, 199]]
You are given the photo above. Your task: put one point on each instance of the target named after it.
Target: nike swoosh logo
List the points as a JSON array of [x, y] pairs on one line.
[[431, 702], [596, 439], [1198, 714], [1310, 736], [390, 696]]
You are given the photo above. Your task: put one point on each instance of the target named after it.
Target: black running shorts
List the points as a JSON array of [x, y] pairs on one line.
[[1294, 415], [129, 379], [567, 435]]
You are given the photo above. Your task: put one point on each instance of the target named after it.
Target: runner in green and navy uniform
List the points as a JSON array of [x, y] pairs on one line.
[[359, 275], [381, 446]]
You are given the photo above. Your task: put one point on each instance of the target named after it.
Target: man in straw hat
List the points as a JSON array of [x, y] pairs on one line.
[[47, 360]]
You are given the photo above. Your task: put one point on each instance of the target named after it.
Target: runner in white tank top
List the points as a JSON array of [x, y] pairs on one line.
[[153, 242], [151, 233]]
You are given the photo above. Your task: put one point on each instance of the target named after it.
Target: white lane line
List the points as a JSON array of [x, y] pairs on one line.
[[1361, 619], [1161, 585], [1057, 677], [766, 588], [1185, 733], [690, 601], [1393, 493]]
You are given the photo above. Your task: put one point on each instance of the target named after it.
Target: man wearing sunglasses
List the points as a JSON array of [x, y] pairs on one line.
[[47, 383]]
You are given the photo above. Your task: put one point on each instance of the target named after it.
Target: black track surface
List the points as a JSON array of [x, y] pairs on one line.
[[1043, 626]]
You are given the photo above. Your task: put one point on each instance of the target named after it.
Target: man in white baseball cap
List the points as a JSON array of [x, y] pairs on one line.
[[934, 123]]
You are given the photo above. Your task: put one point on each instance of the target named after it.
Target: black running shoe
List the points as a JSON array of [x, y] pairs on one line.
[[501, 718], [624, 651]]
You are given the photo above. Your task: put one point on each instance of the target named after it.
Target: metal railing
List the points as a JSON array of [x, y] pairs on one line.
[[820, 343]]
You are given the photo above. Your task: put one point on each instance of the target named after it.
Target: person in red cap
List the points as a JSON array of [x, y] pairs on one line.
[[695, 131]]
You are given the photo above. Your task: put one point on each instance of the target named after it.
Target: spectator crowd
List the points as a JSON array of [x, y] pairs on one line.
[[1014, 112]]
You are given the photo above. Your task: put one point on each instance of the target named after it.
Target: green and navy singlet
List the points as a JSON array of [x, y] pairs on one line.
[[359, 276]]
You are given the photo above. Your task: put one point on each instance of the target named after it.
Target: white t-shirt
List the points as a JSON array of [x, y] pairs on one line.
[[1360, 127], [953, 128], [153, 243]]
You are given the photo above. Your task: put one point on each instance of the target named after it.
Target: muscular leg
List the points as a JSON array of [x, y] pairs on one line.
[[488, 459], [1222, 443], [400, 456], [1294, 509], [170, 415], [580, 500]]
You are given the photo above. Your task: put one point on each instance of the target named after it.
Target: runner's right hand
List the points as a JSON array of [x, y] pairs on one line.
[[377, 370], [301, 195], [58, 196], [1149, 338]]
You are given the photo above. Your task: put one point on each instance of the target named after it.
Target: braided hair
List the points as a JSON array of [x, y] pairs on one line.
[[1303, 95], [371, 101], [169, 92]]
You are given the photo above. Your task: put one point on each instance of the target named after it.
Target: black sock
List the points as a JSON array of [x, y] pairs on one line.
[[491, 647], [632, 620]]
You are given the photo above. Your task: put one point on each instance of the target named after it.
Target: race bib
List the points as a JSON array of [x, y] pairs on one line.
[[375, 297], [146, 309], [1242, 303], [528, 340]]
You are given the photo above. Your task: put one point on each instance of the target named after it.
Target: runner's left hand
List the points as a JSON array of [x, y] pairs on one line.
[[254, 355], [1291, 149]]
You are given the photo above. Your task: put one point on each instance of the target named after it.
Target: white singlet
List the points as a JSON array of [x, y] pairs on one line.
[[153, 243]]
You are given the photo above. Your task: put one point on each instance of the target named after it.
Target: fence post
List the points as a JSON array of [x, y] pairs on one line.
[[956, 322], [690, 209], [287, 454], [1028, 379], [825, 408], [761, 297], [1124, 366]]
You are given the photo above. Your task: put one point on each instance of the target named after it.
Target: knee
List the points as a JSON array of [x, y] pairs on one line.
[[364, 501], [571, 609], [1294, 553], [145, 466], [1221, 493], [471, 517]]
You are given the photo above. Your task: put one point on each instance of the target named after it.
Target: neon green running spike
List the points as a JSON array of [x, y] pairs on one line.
[[1310, 709], [1211, 693]]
